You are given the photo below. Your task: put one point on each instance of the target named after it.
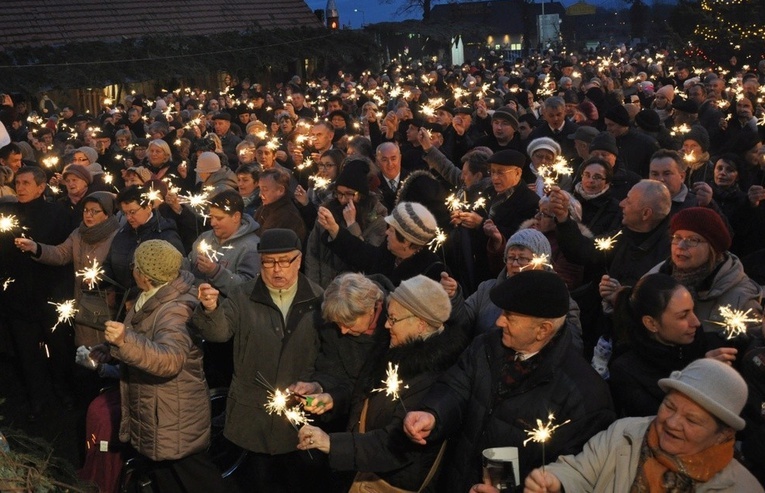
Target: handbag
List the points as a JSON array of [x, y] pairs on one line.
[[94, 310], [369, 482]]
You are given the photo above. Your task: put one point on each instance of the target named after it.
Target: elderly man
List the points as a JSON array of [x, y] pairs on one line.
[[670, 168], [162, 383], [388, 159], [229, 141], [273, 320], [24, 309], [556, 126], [508, 379]]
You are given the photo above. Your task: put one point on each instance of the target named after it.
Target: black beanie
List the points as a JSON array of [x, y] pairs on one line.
[[536, 293], [354, 176], [619, 115]]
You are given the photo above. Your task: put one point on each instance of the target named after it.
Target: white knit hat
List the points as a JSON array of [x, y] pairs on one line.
[[414, 221], [425, 298], [543, 143], [713, 385], [208, 162], [532, 239]]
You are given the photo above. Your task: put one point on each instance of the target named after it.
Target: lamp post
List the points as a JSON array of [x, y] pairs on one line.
[[363, 17]]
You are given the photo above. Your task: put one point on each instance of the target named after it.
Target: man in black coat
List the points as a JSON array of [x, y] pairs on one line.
[[556, 127], [635, 149], [24, 302], [507, 380]]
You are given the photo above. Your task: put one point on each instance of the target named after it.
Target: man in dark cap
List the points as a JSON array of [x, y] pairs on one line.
[[603, 146], [510, 378], [504, 130], [273, 320], [229, 141], [635, 148]]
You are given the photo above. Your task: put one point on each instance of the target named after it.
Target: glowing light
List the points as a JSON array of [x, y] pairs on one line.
[[455, 204], [65, 311], [91, 275], [735, 321], [607, 243], [206, 249], [296, 416], [319, 183], [544, 431], [50, 162], [277, 402], [8, 281], [152, 195], [537, 262], [8, 223], [392, 383], [437, 240]]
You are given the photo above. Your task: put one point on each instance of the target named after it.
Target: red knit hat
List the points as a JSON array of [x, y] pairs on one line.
[[706, 223]]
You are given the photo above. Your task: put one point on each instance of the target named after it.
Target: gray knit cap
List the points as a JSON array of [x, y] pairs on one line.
[[414, 221], [158, 260], [531, 239], [425, 298], [713, 385], [91, 153]]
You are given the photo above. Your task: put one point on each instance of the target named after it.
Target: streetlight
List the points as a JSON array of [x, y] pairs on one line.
[[363, 17]]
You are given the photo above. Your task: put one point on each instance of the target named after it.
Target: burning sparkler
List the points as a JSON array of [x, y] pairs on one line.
[[607, 243], [150, 196], [65, 310], [277, 402], [735, 321], [543, 433], [8, 223], [551, 174], [437, 240], [8, 281], [454, 203], [392, 383], [50, 162], [296, 416], [537, 262], [319, 182], [91, 275], [206, 249]]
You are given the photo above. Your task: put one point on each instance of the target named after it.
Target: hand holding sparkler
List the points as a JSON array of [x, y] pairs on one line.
[[703, 193], [208, 296], [311, 437], [726, 355], [559, 204], [206, 264], [608, 288], [327, 221], [541, 481], [115, 333], [301, 196], [25, 244], [449, 284], [418, 425]]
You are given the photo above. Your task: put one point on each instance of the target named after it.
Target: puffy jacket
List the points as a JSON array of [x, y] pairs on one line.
[[239, 259], [165, 399], [470, 411], [281, 351], [610, 459], [220, 181]]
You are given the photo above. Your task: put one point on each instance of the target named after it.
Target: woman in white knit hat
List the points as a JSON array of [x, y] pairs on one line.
[[686, 447]]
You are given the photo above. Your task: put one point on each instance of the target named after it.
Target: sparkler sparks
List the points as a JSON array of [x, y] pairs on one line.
[[91, 275], [50, 162], [537, 262], [392, 383], [8, 223], [544, 431], [152, 195], [8, 281], [606, 243], [735, 321], [277, 402], [206, 249], [296, 416], [437, 240], [319, 182], [65, 310], [454, 203]]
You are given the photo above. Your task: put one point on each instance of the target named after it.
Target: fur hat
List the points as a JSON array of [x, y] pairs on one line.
[[78, 171], [713, 385], [425, 298], [604, 141], [354, 176], [648, 120], [543, 143], [278, 240], [208, 162], [706, 223], [158, 260], [699, 135], [619, 115], [536, 293], [414, 221], [532, 239]]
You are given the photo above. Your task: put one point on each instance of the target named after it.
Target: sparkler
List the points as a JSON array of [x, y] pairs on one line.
[[551, 174], [205, 248], [437, 240], [50, 162], [150, 196], [8, 223], [8, 281], [392, 383], [735, 321], [319, 183], [454, 203], [91, 275], [479, 203], [607, 243], [197, 202], [680, 130], [277, 402], [65, 310], [537, 262], [543, 433], [296, 416]]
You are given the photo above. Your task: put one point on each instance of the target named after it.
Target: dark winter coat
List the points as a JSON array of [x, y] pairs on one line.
[[281, 214]]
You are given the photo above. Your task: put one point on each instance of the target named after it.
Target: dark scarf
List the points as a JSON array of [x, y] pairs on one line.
[[660, 472], [95, 234]]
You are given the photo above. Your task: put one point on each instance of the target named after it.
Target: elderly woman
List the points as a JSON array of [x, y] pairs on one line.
[[478, 314], [357, 210], [230, 256], [77, 180], [656, 333], [411, 226], [354, 309], [88, 243], [687, 446], [421, 348], [544, 152]]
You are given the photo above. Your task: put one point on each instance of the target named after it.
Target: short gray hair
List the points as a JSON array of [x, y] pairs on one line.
[[348, 297]]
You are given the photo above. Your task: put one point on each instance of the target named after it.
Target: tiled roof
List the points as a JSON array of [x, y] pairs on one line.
[[53, 22]]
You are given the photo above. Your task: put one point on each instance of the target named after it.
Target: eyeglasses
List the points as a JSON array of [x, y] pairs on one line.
[[345, 195], [540, 215], [270, 263], [593, 177], [496, 172], [691, 242], [133, 212], [521, 261], [394, 321], [91, 212], [81, 160], [326, 165]]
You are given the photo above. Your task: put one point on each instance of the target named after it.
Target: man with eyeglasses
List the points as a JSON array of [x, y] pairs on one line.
[[273, 320], [141, 223]]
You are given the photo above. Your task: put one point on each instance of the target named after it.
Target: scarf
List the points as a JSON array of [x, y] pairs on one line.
[[589, 196], [693, 278], [98, 233], [660, 472]]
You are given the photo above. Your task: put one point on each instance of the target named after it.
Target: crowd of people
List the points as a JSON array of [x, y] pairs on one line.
[[425, 262]]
